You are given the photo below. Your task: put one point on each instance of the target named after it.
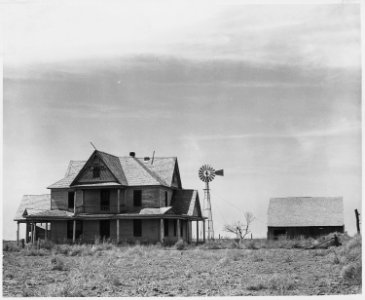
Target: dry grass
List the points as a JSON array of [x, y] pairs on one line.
[[221, 268]]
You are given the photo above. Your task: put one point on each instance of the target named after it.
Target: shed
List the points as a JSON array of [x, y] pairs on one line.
[[294, 217]]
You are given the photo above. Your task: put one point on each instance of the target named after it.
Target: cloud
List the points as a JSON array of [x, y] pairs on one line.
[[318, 133]]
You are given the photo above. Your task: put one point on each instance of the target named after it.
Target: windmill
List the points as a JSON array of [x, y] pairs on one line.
[[207, 174]]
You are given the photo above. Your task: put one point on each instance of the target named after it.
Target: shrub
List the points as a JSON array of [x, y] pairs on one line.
[[46, 244], [352, 273], [10, 247], [251, 245], [180, 245], [256, 287], [58, 264]]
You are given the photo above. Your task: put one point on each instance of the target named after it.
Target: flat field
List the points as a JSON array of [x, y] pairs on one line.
[[206, 270]]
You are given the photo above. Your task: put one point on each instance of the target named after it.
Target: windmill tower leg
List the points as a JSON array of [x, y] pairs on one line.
[[208, 212]]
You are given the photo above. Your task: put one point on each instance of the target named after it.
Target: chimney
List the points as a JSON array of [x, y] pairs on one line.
[[132, 154]]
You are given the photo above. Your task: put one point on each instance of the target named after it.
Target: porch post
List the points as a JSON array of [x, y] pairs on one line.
[[74, 231], [197, 232], [34, 232], [203, 230], [75, 202], [17, 234], [161, 231], [118, 210], [46, 232], [26, 231], [178, 228]]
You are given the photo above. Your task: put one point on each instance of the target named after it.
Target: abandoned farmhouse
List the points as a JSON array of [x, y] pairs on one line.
[[305, 217], [114, 198]]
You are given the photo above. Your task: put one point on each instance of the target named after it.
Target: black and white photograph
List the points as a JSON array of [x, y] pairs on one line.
[[171, 148]]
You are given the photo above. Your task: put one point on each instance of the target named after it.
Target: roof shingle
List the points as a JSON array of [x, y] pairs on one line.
[[305, 211]]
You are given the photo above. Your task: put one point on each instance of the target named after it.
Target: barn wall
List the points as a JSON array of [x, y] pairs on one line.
[[306, 232]]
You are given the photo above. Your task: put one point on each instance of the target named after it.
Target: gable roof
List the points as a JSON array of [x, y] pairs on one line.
[[35, 203], [184, 202], [129, 171], [305, 211]]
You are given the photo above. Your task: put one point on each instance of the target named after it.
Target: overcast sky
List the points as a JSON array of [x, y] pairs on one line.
[[269, 93]]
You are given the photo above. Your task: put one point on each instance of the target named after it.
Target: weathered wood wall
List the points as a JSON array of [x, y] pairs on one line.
[[306, 232], [88, 201]]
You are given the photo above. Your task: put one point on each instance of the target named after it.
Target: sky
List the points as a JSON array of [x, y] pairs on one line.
[[269, 93]]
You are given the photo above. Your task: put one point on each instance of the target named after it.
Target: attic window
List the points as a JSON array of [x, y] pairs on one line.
[[96, 172]]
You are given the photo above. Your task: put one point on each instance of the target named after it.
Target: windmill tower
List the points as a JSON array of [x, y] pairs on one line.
[[207, 174]]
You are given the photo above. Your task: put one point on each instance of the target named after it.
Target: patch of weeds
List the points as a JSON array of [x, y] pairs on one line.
[[256, 287], [35, 252], [10, 247], [251, 245], [180, 245], [258, 256], [281, 283], [352, 273], [289, 258], [58, 264], [320, 252]]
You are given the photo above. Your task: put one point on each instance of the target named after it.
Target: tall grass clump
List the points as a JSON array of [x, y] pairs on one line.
[[350, 257], [180, 245]]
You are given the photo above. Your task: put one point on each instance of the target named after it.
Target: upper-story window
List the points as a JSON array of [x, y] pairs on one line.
[[137, 198], [71, 200], [166, 199], [96, 172], [104, 200]]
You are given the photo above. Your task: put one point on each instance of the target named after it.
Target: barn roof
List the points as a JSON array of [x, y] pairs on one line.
[[305, 211], [129, 171]]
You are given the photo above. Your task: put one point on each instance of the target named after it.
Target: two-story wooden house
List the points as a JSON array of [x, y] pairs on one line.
[[114, 198]]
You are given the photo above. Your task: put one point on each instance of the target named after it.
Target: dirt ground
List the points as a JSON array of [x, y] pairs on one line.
[[158, 271]]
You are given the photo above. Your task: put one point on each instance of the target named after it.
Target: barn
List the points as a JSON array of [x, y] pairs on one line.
[[294, 217]]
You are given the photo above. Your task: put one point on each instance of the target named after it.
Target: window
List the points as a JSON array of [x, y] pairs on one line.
[[137, 198], [166, 228], [137, 227], [181, 229], [166, 199], [175, 226], [96, 172], [78, 232], [71, 200], [104, 200]]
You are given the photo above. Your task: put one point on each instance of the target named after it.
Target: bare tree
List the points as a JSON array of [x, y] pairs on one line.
[[241, 229]]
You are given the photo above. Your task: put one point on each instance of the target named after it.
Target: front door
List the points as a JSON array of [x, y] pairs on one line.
[[104, 229]]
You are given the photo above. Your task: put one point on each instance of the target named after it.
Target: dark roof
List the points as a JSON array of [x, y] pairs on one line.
[[184, 201], [129, 171], [305, 211], [36, 203]]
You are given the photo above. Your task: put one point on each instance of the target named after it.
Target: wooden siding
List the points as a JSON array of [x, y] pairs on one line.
[[87, 174], [296, 232], [92, 201], [59, 199], [58, 231]]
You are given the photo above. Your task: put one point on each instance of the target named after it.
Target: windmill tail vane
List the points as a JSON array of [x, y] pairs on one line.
[[207, 174]]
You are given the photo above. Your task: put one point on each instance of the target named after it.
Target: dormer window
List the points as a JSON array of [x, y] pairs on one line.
[[96, 172]]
